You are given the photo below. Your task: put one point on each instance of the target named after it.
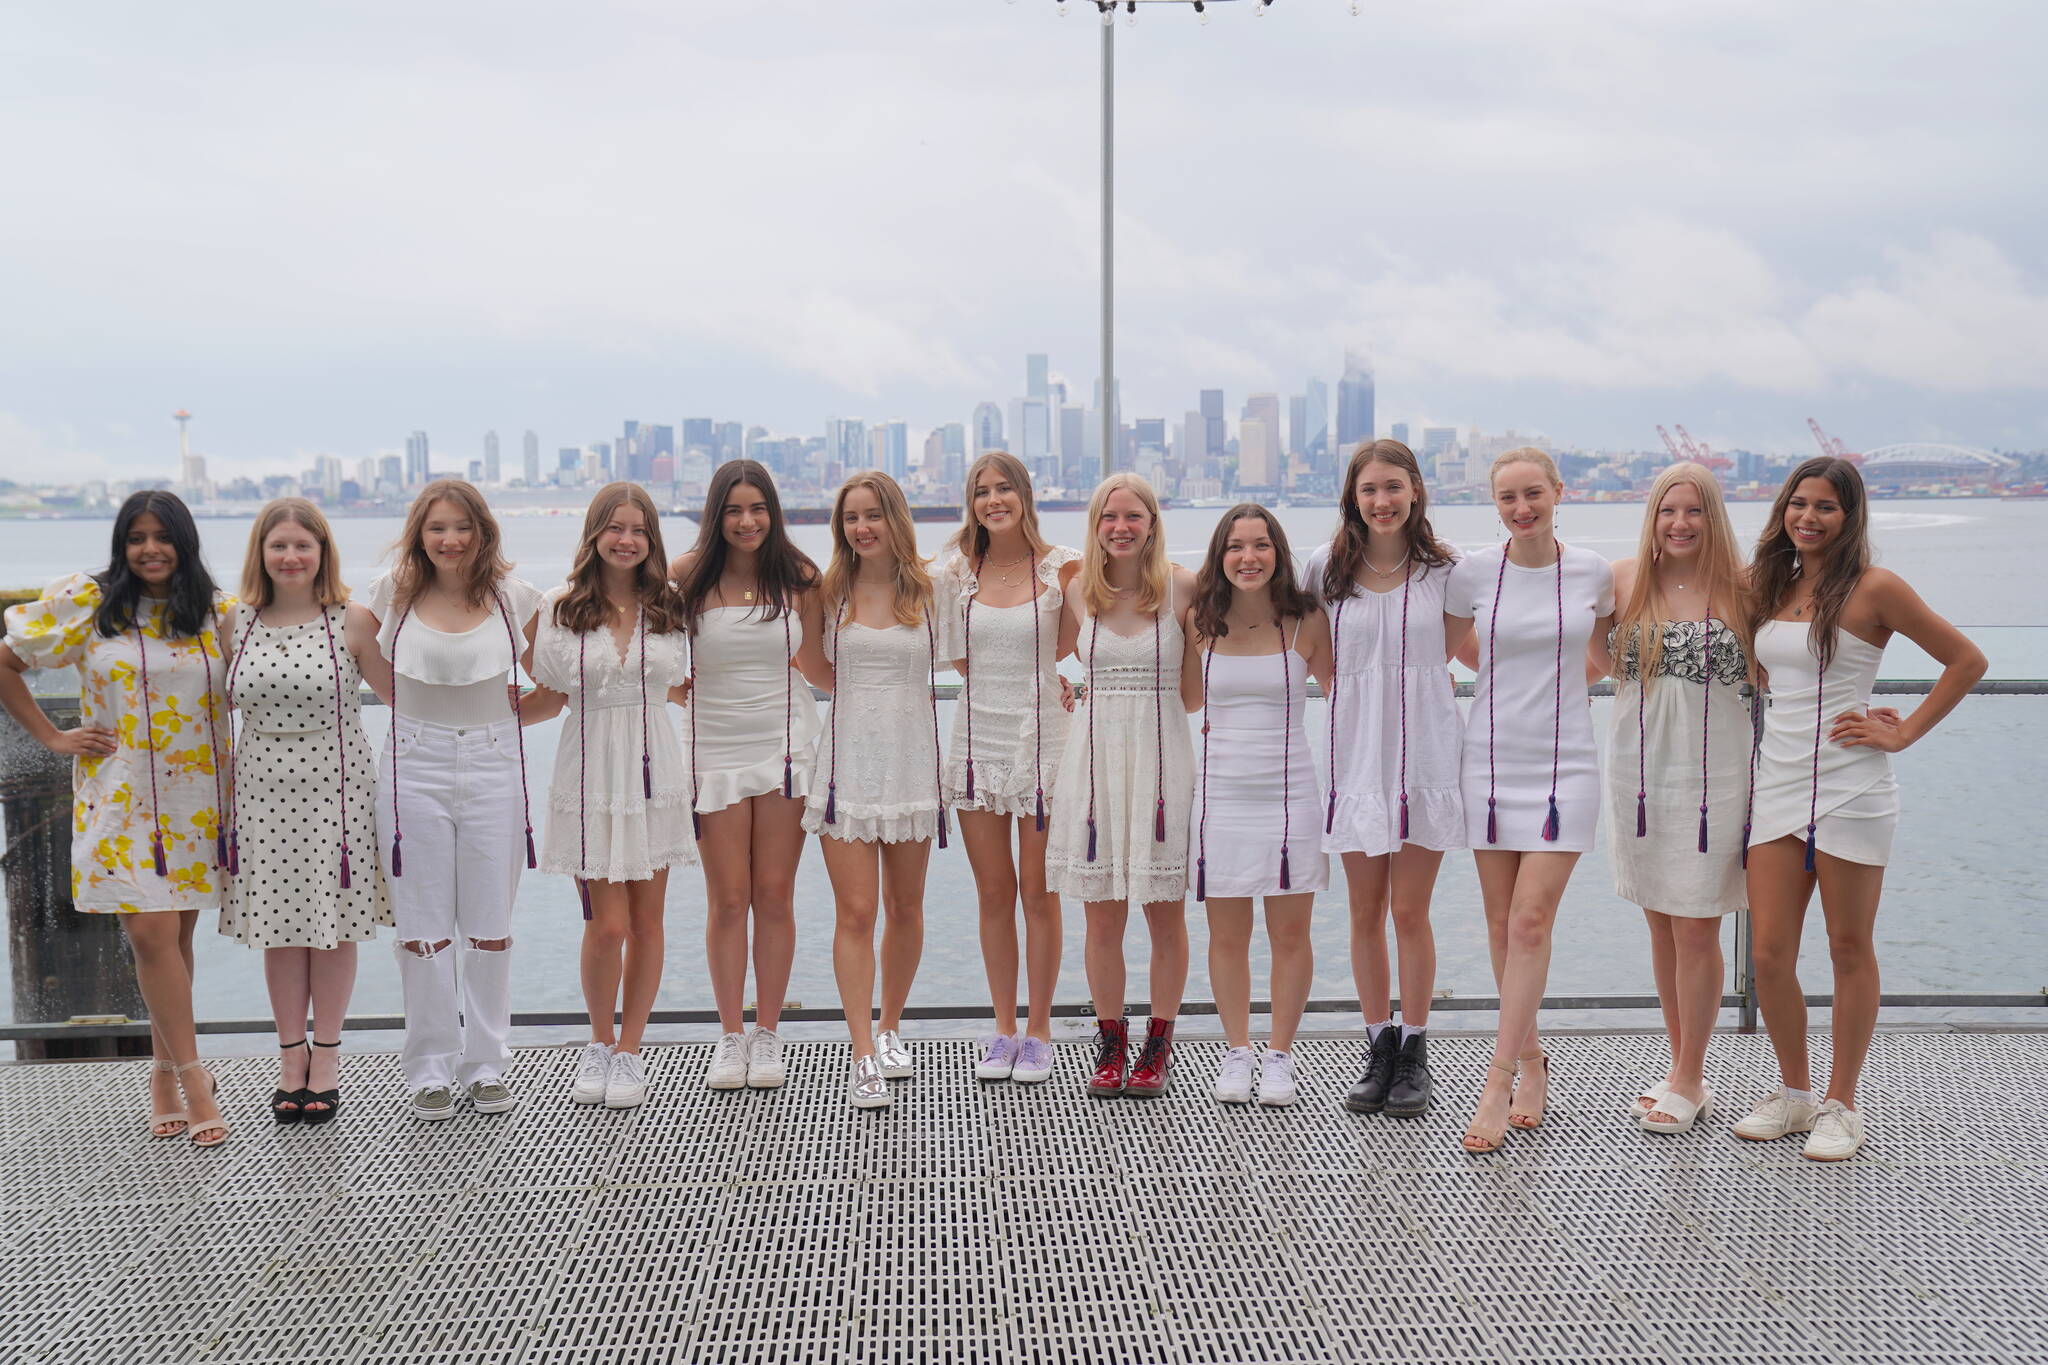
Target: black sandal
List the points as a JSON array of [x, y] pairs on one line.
[[289, 1106], [330, 1098]]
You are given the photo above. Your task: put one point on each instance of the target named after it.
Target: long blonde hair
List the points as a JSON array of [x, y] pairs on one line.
[[913, 576], [1720, 568], [487, 562], [1155, 572], [971, 541], [257, 589]]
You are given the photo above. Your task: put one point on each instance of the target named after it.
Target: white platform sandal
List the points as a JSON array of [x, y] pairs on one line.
[[1678, 1114]]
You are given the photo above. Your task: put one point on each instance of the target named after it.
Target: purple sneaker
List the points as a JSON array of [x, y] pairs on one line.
[[998, 1057], [1034, 1062]]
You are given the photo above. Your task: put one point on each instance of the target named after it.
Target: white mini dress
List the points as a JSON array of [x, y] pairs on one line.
[[751, 723], [1258, 803], [875, 776], [1802, 777]]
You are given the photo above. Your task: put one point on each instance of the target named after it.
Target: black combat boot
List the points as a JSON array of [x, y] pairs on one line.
[[1408, 1097], [1369, 1096]]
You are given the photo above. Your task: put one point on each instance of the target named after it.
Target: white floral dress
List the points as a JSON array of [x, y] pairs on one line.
[[171, 765]]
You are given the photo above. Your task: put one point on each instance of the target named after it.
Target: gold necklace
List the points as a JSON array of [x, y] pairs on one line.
[[1001, 575]]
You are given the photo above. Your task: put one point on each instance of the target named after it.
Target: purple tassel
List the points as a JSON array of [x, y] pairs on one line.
[[831, 803], [235, 853], [696, 825], [970, 779], [942, 827], [1159, 822], [344, 867], [1285, 881], [583, 893], [647, 777], [1550, 821], [531, 861], [1492, 823], [1038, 809], [788, 780], [1745, 843], [220, 849], [1642, 817], [397, 861], [1201, 879], [1330, 820], [156, 853], [1703, 829], [1091, 838], [1809, 848], [1404, 817]]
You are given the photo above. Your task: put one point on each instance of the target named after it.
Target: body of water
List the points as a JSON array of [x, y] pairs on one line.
[[1963, 905]]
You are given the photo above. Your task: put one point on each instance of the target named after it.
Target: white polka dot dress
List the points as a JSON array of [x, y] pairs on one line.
[[295, 770]]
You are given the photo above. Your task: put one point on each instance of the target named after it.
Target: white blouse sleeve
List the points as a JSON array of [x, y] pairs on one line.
[[1461, 590]]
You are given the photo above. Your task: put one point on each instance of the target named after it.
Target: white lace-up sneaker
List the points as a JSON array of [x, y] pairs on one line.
[[728, 1063], [765, 1067], [626, 1086], [1837, 1133], [592, 1066], [1775, 1115], [1276, 1079], [1234, 1076]]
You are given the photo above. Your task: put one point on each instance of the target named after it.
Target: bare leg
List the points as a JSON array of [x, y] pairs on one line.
[[1779, 888], [1294, 963], [1168, 923], [1042, 941], [1664, 969], [856, 891], [332, 975], [778, 848], [604, 936], [903, 871], [726, 848], [1698, 971], [1230, 965], [1849, 894], [1539, 887], [645, 944], [161, 942], [1365, 885], [1103, 955], [1413, 884], [288, 975], [987, 837]]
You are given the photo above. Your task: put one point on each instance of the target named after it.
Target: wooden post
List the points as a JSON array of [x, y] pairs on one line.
[[64, 964]]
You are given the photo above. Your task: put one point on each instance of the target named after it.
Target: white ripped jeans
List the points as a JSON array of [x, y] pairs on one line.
[[459, 810]]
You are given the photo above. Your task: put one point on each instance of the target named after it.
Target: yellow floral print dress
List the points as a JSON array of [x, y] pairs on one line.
[[112, 867]]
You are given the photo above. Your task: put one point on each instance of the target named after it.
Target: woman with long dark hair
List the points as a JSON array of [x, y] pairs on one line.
[[1826, 803], [749, 601], [151, 757], [1001, 586], [1256, 639], [610, 646], [1393, 806]]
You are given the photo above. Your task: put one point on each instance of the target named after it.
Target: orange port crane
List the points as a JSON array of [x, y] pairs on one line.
[[1831, 445]]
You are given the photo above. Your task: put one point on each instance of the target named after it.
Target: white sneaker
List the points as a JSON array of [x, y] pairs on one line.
[[1234, 1076], [626, 1085], [1837, 1133], [765, 1068], [728, 1063], [1276, 1079], [893, 1056], [1776, 1115], [592, 1067], [866, 1089]]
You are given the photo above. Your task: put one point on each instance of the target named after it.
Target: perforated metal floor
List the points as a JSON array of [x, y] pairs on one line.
[[1000, 1222]]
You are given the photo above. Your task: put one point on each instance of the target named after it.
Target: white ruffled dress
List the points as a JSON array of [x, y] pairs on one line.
[[877, 764]]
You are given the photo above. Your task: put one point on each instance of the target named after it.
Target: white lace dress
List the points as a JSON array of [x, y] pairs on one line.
[[1009, 724], [602, 823], [1128, 749], [876, 772]]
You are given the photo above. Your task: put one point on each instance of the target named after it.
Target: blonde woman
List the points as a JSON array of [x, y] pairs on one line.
[[306, 882], [1127, 778], [1678, 764], [876, 798], [1001, 588]]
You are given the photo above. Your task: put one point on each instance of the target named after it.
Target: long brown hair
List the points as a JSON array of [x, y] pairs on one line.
[[913, 578], [487, 562], [257, 589], [781, 571], [1347, 547], [584, 607], [1720, 568], [971, 540], [1212, 585], [1775, 567], [1155, 572]]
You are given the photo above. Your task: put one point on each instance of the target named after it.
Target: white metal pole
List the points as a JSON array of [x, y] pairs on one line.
[[1108, 249]]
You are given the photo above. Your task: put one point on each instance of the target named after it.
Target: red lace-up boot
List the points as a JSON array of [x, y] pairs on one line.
[[1152, 1074], [1112, 1058]]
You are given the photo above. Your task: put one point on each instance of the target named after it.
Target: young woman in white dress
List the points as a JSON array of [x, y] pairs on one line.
[[876, 800], [150, 756], [1529, 771], [1678, 755], [1826, 803], [306, 882], [1120, 831], [749, 598], [610, 646], [1393, 805], [1001, 586], [1255, 639], [453, 809]]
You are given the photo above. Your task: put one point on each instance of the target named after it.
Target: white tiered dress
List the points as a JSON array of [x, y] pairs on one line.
[[1367, 721], [602, 826], [751, 714], [1663, 869], [877, 766], [1539, 720], [1255, 789], [1128, 747], [1010, 698], [1801, 775]]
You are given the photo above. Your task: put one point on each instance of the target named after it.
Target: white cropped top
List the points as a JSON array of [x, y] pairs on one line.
[[455, 678]]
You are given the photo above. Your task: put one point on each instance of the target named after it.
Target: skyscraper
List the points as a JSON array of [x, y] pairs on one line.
[[1399, 431], [491, 471], [417, 470], [1354, 401], [700, 433], [532, 451], [1315, 443], [1036, 375], [1216, 436], [1258, 452], [988, 428], [896, 449]]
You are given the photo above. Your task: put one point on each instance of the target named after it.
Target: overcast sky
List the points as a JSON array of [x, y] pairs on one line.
[[321, 227]]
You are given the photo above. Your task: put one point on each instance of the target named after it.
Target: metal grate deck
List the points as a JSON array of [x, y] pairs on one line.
[[976, 1223]]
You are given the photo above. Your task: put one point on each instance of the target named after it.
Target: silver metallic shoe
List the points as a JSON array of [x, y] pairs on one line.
[[868, 1090], [894, 1057]]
